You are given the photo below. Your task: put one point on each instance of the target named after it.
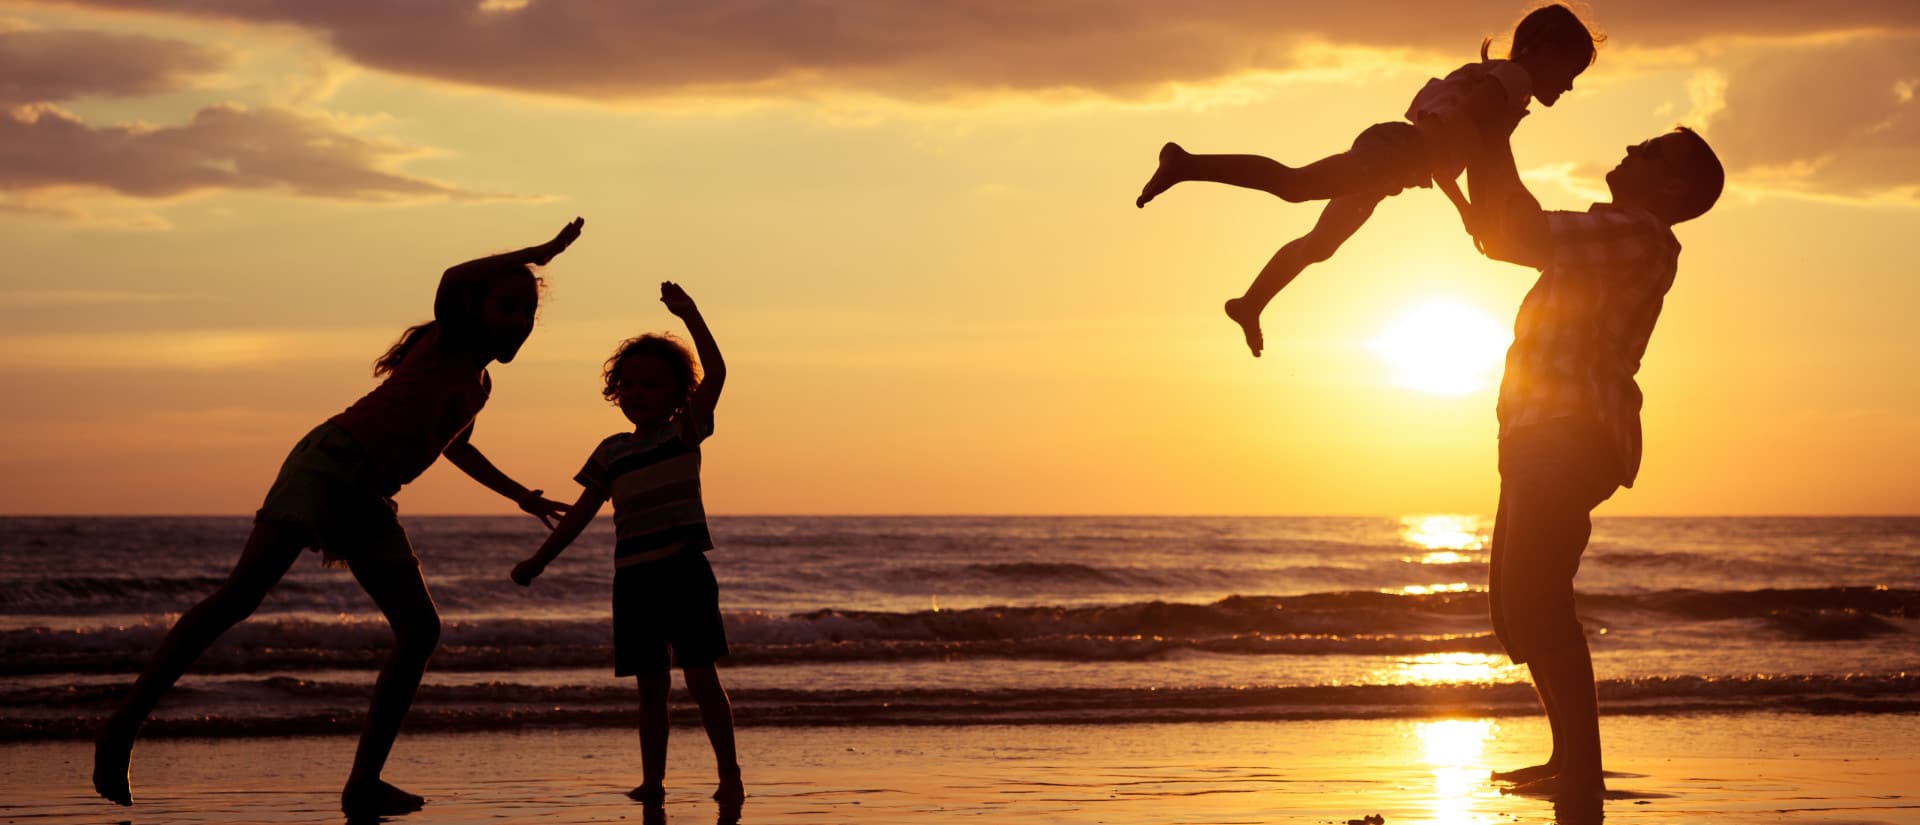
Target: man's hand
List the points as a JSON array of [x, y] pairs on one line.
[[677, 300], [568, 234]]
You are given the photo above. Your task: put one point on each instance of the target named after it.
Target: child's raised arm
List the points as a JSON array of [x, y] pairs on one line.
[[713, 369], [576, 520]]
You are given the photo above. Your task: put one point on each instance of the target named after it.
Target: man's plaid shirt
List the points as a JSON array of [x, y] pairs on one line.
[[1584, 326]]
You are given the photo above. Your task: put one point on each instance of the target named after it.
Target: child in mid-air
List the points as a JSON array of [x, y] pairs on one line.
[[1550, 48], [666, 605], [335, 494]]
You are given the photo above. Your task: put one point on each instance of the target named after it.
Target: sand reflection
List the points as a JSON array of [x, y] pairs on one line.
[[1453, 750]]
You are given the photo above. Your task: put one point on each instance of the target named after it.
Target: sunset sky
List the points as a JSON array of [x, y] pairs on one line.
[[911, 227]]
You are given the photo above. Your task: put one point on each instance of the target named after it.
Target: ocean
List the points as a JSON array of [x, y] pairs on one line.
[[842, 621]]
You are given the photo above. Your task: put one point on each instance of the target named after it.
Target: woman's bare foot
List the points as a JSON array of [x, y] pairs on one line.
[[732, 791], [377, 798], [651, 793], [1173, 166], [1531, 773], [1244, 314], [111, 753]]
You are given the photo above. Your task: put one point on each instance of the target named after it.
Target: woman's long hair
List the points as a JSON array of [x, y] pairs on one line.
[[456, 309]]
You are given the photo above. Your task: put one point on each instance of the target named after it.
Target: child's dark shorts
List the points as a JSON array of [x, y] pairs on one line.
[[667, 613], [328, 489], [1395, 154]]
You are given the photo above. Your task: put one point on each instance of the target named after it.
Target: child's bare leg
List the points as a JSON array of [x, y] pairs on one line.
[[1325, 179], [1338, 221], [271, 549], [653, 736], [401, 594], [716, 713]]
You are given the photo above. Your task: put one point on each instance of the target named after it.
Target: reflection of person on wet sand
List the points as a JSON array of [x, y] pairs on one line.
[[1550, 48], [1569, 407], [334, 493]]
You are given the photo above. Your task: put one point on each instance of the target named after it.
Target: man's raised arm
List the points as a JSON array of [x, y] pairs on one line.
[[1504, 218]]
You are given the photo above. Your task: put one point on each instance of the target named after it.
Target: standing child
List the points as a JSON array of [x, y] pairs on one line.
[[335, 494], [666, 605], [1550, 48]]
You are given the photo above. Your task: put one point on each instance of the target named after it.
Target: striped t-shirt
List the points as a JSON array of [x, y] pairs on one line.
[[653, 480]]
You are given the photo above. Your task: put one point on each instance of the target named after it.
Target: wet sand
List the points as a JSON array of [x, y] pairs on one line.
[[1741, 768]]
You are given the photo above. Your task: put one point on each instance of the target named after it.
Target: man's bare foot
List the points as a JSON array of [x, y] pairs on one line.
[[1173, 165], [731, 792], [1566, 785], [110, 755], [1531, 773], [377, 798], [1248, 318], [651, 793]]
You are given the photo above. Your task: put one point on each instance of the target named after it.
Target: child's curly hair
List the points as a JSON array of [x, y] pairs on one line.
[[652, 345]]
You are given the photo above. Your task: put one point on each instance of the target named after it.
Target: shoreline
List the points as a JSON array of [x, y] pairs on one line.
[[1738, 768]]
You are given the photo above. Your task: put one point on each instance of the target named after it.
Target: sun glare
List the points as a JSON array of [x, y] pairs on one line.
[[1444, 347]]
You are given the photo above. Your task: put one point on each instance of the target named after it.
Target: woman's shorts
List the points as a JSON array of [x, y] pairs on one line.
[[1395, 154], [667, 612], [326, 488]]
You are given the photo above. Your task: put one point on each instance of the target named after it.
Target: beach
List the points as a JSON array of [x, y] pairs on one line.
[[1732, 768], [1096, 670]]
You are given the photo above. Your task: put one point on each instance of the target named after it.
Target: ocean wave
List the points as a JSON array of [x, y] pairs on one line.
[[1356, 622], [286, 705]]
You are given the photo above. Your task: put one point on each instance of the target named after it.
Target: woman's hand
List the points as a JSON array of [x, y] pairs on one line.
[[568, 234], [541, 507]]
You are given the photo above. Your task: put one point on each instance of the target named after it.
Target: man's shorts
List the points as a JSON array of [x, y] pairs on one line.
[[1552, 475]]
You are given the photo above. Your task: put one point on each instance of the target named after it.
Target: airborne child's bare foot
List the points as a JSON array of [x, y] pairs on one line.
[[651, 793], [377, 798], [110, 755], [1531, 773], [1172, 170], [1247, 316]]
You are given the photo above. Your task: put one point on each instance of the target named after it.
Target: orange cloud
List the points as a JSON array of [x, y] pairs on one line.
[[935, 50], [42, 66], [227, 146]]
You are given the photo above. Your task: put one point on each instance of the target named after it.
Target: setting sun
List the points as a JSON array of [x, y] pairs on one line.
[[1443, 347]]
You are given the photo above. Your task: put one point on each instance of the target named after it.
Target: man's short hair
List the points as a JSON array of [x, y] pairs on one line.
[[1700, 168]]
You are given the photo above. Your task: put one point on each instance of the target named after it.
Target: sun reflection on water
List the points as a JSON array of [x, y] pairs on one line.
[[1448, 669], [1454, 750], [1445, 536]]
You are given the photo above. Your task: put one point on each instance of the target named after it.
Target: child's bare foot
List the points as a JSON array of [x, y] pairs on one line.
[[110, 755], [377, 798], [651, 793], [1244, 314], [1531, 773], [732, 791], [1173, 165]]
